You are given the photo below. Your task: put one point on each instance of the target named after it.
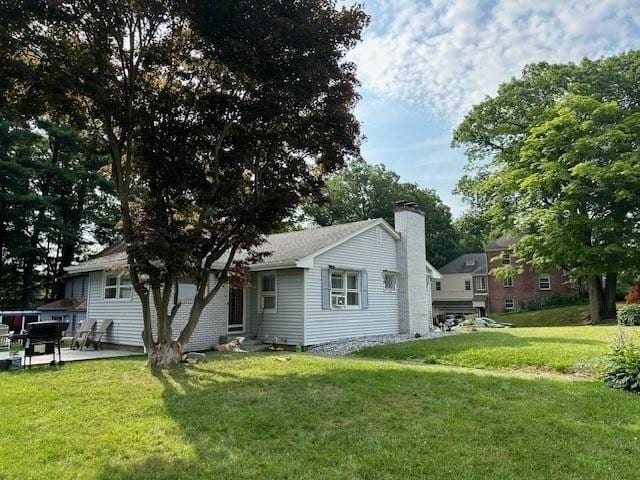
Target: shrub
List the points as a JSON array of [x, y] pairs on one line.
[[629, 314], [633, 294], [623, 365]]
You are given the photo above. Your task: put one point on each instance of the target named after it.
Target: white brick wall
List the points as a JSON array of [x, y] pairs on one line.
[[414, 297]]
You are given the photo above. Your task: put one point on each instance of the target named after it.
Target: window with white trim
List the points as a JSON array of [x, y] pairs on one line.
[[481, 284], [506, 258], [507, 282], [509, 304], [438, 286], [117, 287], [268, 292], [544, 281], [467, 285], [390, 281], [345, 289]]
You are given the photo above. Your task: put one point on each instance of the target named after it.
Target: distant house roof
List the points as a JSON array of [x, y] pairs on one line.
[[475, 263], [503, 243], [65, 304], [290, 249]]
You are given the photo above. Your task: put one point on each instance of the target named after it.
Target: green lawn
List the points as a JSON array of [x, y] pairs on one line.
[[548, 317], [561, 349], [254, 416]]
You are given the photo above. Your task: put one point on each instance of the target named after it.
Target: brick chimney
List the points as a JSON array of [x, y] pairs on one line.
[[413, 297]]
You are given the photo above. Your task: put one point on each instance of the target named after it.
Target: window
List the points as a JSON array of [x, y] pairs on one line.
[[508, 304], [467, 285], [268, 295], [506, 258], [345, 289], [390, 281], [438, 286], [111, 286], [125, 287], [57, 318], [481, 284], [544, 281], [117, 286], [507, 282], [186, 291]]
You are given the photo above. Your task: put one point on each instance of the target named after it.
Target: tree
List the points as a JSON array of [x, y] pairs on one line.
[[473, 231], [218, 117], [51, 198], [555, 155], [362, 191]]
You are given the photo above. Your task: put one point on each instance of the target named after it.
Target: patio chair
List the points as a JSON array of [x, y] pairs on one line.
[[96, 337], [5, 341], [79, 340]]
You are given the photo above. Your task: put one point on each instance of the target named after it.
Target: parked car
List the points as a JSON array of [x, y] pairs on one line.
[[486, 322]]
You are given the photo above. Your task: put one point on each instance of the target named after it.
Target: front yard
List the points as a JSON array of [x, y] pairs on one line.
[[560, 349], [298, 416]]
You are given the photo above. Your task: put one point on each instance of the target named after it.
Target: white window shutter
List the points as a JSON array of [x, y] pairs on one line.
[[364, 289], [326, 288]]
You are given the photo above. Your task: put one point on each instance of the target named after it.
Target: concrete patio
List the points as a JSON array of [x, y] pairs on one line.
[[69, 355]]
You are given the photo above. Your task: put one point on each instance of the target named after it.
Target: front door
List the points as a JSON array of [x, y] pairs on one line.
[[236, 314]]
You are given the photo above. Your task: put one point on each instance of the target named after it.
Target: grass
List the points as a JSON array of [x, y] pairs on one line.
[[574, 315], [256, 416], [559, 349]]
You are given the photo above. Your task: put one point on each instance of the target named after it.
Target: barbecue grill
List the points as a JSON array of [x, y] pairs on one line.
[[42, 338]]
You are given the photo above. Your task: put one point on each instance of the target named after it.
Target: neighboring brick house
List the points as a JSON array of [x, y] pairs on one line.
[[516, 292]]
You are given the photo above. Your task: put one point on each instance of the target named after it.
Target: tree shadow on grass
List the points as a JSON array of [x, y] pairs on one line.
[[260, 417]]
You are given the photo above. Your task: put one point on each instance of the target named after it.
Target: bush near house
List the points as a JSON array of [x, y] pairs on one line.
[[629, 314], [555, 300], [623, 364]]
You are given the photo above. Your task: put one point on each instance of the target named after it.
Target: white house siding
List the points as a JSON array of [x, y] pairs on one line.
[[127, 317], [373, 251], [287, 322]]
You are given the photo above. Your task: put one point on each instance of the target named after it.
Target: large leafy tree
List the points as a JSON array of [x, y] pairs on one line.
[[555, 155], [361, 191], [218, 118]]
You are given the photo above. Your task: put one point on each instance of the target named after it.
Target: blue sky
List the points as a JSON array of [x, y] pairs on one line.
[[423, 63]]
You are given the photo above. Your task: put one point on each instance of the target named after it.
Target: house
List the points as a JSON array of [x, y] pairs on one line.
[[515, 293], [463, 286], [73, 307], [468, 287], [316, 286]]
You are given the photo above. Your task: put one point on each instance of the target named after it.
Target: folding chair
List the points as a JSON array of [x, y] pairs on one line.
[[95, 337], [79, 340]]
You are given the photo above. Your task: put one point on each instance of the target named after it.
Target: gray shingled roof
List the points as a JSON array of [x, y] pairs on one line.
[[503, 242], [467, 263], [286, 248]]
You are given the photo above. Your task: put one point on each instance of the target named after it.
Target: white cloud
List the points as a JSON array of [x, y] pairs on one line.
[[447, 55]]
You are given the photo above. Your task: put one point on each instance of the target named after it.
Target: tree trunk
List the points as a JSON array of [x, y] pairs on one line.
[[609, 310], [596, 298], [165, 354]]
